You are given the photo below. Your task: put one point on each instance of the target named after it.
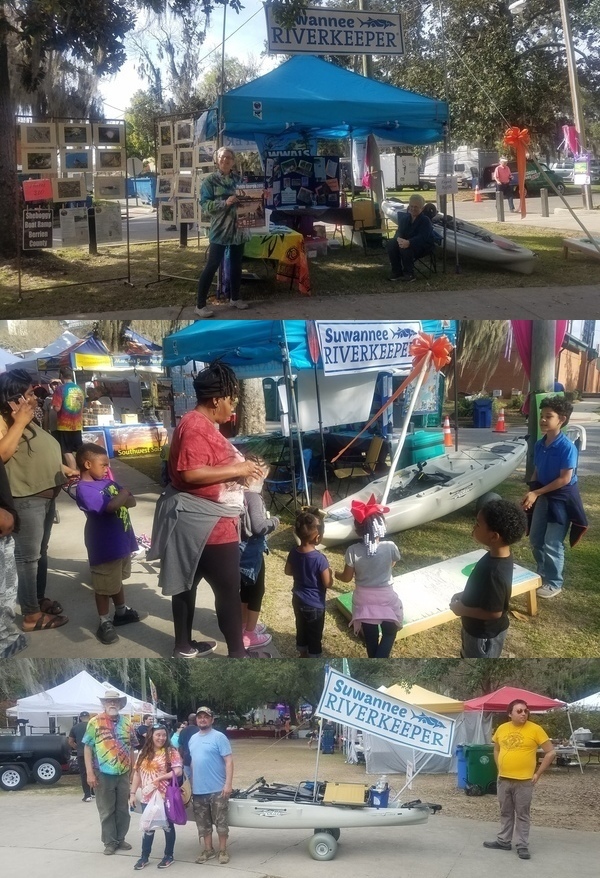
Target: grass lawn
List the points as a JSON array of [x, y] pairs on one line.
[[566, 626], [346, 271]]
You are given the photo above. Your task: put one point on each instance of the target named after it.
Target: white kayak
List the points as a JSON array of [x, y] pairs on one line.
[[473, 241], [430, 490], [282, 806]]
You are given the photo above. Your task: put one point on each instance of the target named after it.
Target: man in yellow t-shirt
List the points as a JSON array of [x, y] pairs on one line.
[[515, 750]]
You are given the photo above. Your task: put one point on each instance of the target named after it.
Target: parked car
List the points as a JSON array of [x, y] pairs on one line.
[[564, 170], [534, 181], [25, 758]]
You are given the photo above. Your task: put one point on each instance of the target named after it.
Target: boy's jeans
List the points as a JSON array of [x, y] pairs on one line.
[[482, 647], [546, 541]]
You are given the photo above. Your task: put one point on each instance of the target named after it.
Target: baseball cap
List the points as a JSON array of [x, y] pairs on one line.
[[84, 713], [205, 710]]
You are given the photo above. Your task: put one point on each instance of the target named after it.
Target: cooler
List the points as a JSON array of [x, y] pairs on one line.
[[421, 445], [481, 767]]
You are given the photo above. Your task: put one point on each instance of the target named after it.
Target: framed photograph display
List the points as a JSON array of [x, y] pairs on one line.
[[187, 210], [166, 161], [205, 153], [76, 159], [109, 187], [38, 134], [109, 134], [68, 189], [165, 134], [185, 158], [164, 187], [166, 213], [184, 131], [184, 186], [110, 159], [74, 134], [38, 160]]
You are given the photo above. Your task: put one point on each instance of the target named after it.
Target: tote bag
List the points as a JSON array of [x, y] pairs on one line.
[[174, 806]]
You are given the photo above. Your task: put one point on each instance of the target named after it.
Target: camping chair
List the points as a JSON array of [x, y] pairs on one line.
[[426, 265], [281, 484], [361, 467], [363, 218]]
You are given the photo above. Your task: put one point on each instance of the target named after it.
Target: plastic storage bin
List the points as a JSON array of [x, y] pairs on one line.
[[482, 412], [481, 768], [379, 798]]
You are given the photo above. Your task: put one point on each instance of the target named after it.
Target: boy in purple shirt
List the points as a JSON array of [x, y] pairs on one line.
[[109, 537]]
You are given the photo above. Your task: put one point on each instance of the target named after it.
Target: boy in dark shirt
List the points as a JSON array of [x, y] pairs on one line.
[[483, 605], [109, 538], [312, 577]]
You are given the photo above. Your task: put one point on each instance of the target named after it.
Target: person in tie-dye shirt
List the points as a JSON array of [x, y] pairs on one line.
[[109, 743], [68, 402]]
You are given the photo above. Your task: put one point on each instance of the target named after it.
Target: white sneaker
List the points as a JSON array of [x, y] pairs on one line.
[[239, 304], [204, 312]]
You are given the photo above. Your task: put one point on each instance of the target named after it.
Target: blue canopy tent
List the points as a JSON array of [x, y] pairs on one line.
[[312, 96]]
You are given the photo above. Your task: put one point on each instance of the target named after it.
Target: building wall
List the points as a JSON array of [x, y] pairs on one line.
[[509, 375]]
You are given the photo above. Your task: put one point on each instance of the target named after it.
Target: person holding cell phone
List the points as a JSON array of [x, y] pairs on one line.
[[35, 473]]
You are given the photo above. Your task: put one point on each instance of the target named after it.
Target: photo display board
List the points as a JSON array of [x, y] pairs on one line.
[[302, 181]]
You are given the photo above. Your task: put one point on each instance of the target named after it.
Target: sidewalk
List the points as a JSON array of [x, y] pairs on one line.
[[69, 583], [57, 835]]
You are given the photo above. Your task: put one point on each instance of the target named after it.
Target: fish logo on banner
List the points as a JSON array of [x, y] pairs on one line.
[[257, 109], [350, 703]]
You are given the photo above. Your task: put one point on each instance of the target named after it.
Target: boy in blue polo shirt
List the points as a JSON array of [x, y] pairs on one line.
[[553, 496]]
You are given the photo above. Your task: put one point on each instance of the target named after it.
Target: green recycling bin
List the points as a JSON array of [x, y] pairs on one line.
[[481, 767]]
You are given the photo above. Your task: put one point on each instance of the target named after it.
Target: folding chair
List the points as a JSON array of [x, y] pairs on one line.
[[281, 483], [426, 265], [361, 467], [363, 218]]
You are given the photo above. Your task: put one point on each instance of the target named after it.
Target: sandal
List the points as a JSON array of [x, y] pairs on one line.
[[51, 608], [44, 623]]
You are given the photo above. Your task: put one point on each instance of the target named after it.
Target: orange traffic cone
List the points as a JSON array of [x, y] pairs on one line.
[[477, 199], [500, 423], [447, 431]]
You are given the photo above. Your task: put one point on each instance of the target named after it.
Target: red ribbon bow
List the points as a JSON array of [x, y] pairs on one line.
[[423, 344], [515, 136], [519, 139], [361, 510]]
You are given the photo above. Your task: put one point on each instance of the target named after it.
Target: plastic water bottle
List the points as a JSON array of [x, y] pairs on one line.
[[382, 784]]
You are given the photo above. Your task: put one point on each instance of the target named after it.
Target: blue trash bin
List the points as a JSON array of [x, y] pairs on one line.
[[482, 413], [461, 768]]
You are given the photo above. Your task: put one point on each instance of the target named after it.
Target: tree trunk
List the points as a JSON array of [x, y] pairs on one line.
[[8, 172], [252, 417]]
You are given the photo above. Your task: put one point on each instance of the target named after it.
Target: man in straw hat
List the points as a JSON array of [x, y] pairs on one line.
[[109, 742]]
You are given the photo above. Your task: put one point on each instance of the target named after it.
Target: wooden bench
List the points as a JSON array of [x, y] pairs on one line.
[[426, 593], [580, 245]]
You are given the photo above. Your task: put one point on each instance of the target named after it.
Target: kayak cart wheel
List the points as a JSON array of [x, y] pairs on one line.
[[334, 832], [322, 846], [474, 789]]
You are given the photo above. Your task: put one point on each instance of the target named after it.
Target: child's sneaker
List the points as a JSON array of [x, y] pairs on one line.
[[130, 615], [260, 628], [254, 640], [106, 633]]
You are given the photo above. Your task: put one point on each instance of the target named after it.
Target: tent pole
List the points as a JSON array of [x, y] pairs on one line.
[[289, 390], [296, 419], [573, 739], [317, 758], [400, 445]]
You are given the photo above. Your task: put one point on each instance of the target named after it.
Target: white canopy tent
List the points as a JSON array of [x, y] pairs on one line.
[[62, 704], [30, 364], [384, 757], [591, 702]]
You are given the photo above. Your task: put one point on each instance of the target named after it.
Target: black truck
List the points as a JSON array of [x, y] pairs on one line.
[[39, 758]]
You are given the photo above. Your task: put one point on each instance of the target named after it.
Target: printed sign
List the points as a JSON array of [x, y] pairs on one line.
[[365, 345], [318, 30], [37, 229], [350, 703], [74, 226], [446, 185], [37, 190]]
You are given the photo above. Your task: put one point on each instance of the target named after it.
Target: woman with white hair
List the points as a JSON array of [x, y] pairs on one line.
[[218, 200], [413, 240]]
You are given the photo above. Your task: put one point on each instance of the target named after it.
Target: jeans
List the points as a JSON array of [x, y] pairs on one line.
[[112, 801], [148, 839], [379, 647], [216, 252], [310, 622], [546, 539], [87, 790], [8, 593], [507, 191], [31, 549], [514, 798], [403, 260], [482, 647]]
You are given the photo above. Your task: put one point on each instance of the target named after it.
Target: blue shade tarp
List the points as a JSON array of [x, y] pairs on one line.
[[307, 94]]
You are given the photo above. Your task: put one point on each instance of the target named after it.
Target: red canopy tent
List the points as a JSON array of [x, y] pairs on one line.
[[501, 698]]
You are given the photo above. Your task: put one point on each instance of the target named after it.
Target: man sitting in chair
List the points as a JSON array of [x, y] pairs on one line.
[[413, 240]]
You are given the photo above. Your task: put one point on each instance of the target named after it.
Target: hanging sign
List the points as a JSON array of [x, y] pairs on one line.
[[37, 229], [37, 190], [349, 346], [350, 703], [320, 30]]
